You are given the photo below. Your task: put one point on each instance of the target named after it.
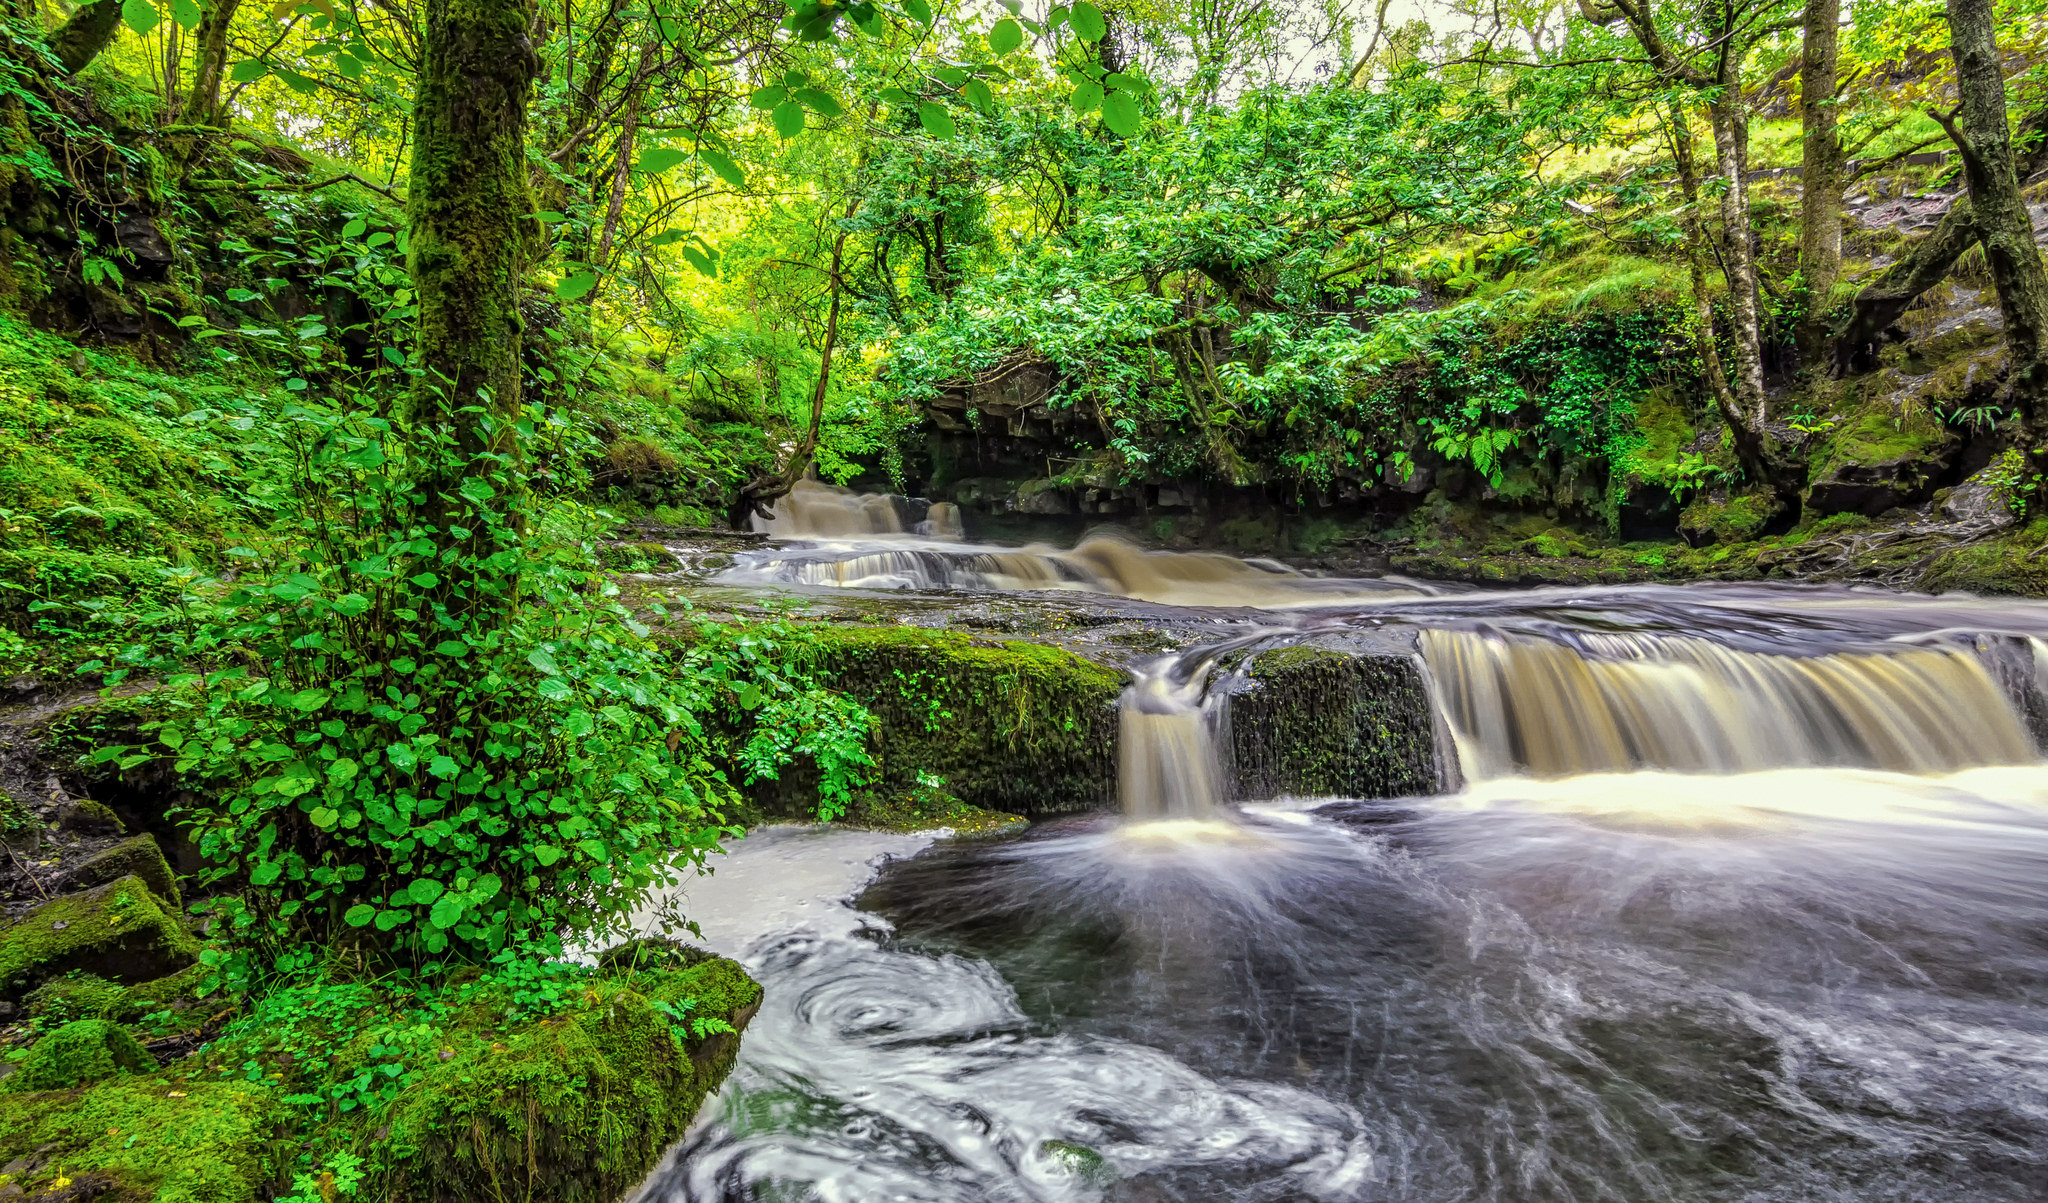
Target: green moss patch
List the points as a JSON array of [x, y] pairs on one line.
[[147, 1138], [1326, 724], [119, 931], [81, 1052], [1015, 727]]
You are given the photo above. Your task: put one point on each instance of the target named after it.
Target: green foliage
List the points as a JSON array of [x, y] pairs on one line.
[[81, 1052]]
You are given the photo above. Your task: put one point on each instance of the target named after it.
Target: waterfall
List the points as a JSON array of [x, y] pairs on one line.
[[819, 510], [1620, 702], [1166, 751]]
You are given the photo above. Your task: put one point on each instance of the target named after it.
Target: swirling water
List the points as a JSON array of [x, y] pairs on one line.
[[1746, 899]]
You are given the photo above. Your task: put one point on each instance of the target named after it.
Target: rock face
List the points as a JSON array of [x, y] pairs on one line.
[[1325, 723]]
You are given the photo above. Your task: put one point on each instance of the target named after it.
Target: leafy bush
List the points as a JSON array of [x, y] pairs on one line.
[[434, 736]]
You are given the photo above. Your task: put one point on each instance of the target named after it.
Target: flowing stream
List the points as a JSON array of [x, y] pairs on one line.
[[1744, 896]]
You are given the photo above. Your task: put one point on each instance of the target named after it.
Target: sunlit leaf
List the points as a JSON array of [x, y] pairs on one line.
[[1006, 36], [723, 167], [700, 261], [918, 11], [1121, 114], [818, 102], [249, 70], [1087, 22], [936, 121], [767, 98], [657, 159], [139, 15], [978, 95], [355, 228], [1087, 98], [186, 13], [788, 118], [348, 66], [577, 286]]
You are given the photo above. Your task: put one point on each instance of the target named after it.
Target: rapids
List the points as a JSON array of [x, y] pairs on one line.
[[1743, 896]]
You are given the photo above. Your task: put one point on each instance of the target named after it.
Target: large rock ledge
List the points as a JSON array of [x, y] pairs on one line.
[[1031, 729]]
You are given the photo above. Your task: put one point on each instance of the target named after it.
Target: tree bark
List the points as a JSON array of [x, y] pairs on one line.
[[2004, 225], [1928, 262], [87, 32], [1749, 445], [468, 205], [1738, 257], [203, 106], [1820, 210], [761, 493], [622, 171]]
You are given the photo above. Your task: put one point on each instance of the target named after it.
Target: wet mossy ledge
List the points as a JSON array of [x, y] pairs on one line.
[[1029, 729]]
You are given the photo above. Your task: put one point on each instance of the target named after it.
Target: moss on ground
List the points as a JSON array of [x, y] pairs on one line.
[[79, 1053], [925, 808], [1015, 727], [2011, 564], [147, 1139]]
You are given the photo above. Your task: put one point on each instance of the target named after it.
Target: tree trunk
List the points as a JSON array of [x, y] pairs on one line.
[[1928, 262], [622, 172], [2005, 227], [1738, 257], [203, 106], [468, 207], [760, 493], [81, 38], [1820, 211], [1748, 441]]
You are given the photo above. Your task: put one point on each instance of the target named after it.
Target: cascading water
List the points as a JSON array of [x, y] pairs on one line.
[[1617, 702], [1744, 902]]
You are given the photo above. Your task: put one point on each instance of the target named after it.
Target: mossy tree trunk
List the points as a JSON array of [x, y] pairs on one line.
[[1978, 128], [87, 32], [203, 106], [469, 210], [1820, 204]]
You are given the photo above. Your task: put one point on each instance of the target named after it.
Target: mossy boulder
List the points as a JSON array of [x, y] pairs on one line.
[[118, 931], [144, 1139], [577, 1107], [1016, 727], [1324, 723], [138, 856], [1880, 458], [83, 816], [79, 1053], [1717, 518], [2008, 564]]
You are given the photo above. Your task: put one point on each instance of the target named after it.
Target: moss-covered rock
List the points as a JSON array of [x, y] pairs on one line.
[[577, 1107], [1717, 517], [138, 856], [1010, 726], [2009, 564], [118, 931], [81, 1052], [1881, 457], [1322, 723], [145, 1139], [83, 816], [20, 829]]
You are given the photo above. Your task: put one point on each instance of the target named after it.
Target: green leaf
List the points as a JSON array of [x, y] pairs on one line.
[[657, 159], [936, 121], [355, 228], [1087, 98], [359, 915], [401, 757], [1006, 36], [265, 873], [377, 239], [426, 580], [448, 912], [547, 854], [768, 97], [1087, 22], [578, 724], [542, 660], [788, 118], [140, 16], [978, 95], [700, 261], [386, 920], [918, 11], [1121, 114], [311, 699], [443, 767], [723, 167], [818, 102], [577, 286], [451, 647], [554, 689], [324, 817], [424, 890], [249, 70], [348, 66]]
